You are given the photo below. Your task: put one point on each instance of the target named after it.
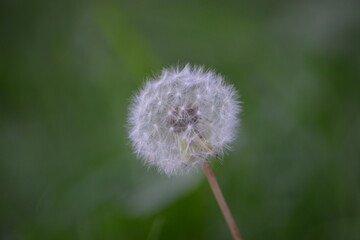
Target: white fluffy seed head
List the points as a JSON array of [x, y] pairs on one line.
[[182, 117]]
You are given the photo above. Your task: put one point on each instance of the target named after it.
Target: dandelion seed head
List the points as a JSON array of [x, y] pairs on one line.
[[182, 117]]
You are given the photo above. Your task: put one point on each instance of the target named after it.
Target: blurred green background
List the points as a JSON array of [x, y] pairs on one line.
[[68, 69]]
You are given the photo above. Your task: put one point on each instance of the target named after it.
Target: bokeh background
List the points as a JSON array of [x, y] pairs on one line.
[[69, 68]]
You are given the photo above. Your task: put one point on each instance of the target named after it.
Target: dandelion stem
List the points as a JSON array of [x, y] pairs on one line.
[[221, 201]]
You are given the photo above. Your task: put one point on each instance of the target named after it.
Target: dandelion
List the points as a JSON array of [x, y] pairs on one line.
[[183, 117]]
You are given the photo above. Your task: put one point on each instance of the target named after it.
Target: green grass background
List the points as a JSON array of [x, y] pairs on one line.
[[69, 68]]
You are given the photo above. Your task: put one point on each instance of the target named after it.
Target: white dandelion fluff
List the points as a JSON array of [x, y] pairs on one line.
[[182, 117]]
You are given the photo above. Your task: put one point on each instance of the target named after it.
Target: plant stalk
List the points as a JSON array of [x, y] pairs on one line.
[[221, 201]]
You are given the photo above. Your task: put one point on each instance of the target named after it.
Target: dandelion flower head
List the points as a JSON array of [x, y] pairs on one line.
[[182, 117]]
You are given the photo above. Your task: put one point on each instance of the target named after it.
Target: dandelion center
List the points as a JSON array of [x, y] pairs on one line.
[[182, 118]]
